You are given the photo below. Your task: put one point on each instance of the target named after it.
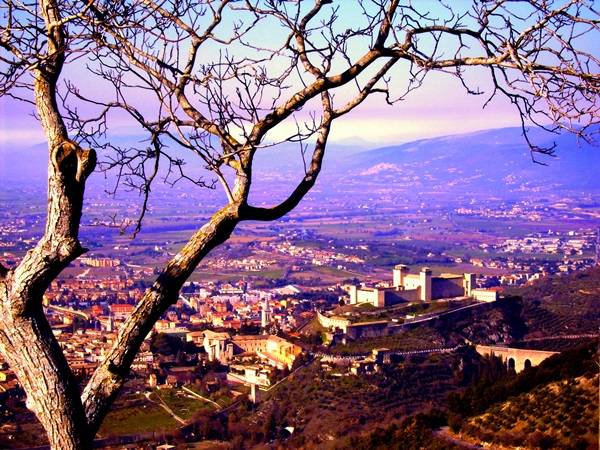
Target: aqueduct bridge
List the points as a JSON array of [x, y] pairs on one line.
[[518, 359]]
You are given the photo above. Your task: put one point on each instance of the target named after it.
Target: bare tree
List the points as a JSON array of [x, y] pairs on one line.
[[215, 80]]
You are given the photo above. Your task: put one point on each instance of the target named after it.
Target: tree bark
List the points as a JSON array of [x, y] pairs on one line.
[[52, 391]]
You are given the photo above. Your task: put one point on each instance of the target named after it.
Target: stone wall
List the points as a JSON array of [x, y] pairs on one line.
[[364, 330]]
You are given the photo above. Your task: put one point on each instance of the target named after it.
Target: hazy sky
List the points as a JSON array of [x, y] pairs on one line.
[[440, 107]]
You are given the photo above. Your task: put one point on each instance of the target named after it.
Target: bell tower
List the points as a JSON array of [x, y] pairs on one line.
[[266, 314]]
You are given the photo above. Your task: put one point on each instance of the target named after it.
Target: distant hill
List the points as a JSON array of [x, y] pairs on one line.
[[494, 161], [497, 161], [24, 164]]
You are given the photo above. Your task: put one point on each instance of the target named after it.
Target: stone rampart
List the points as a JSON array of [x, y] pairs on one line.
[[369, 329]]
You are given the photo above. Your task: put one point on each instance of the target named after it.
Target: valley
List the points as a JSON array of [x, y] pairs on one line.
[[528, 231]]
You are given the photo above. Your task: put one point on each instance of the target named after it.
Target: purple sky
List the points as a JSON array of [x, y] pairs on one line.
[[440, 107]]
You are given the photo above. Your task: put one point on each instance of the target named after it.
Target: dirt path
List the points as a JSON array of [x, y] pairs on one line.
[[444, 433], [163, 405]]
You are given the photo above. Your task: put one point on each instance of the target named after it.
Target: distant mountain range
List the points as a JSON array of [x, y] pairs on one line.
[[496, 160], [485, 152]]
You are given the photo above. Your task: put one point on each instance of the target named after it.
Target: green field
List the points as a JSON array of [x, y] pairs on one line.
[[142, 412]]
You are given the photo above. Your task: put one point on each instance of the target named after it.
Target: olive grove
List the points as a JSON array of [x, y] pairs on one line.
[[220, 81]]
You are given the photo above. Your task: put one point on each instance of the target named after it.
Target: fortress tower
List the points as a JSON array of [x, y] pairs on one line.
[[353, 294], [425, 278], [469, 284], [400, 272]]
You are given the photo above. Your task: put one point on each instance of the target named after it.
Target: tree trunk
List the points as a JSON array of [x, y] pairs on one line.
[[52, 391], [26, 339]]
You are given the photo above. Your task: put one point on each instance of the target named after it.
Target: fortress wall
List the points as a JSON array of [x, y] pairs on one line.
[[397, 328], [334, 322], [412, 282], [447, 287], [323, 320], [392, 297], [366, 296]]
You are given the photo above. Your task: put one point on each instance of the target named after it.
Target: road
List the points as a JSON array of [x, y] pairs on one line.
[[189, 391]]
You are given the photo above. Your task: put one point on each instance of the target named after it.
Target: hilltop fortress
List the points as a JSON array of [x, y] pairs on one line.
[[407, 288], [422, 286]]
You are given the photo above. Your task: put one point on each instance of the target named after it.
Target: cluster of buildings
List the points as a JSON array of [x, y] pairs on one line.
[[85, 348], [530, 209], [106, 301], [271, 349], [265, 251], [223, 347], [516, 211], [84, 291], [219, 309], [99, 262], [317, 257], [571, 243]]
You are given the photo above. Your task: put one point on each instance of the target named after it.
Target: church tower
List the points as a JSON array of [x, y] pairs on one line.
[[266, 314], [110, 324]]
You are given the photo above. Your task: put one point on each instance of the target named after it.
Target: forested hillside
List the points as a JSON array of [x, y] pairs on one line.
[[561, 305], [553, 405]]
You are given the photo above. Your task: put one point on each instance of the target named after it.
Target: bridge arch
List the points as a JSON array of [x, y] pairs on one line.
[[511, 363]]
